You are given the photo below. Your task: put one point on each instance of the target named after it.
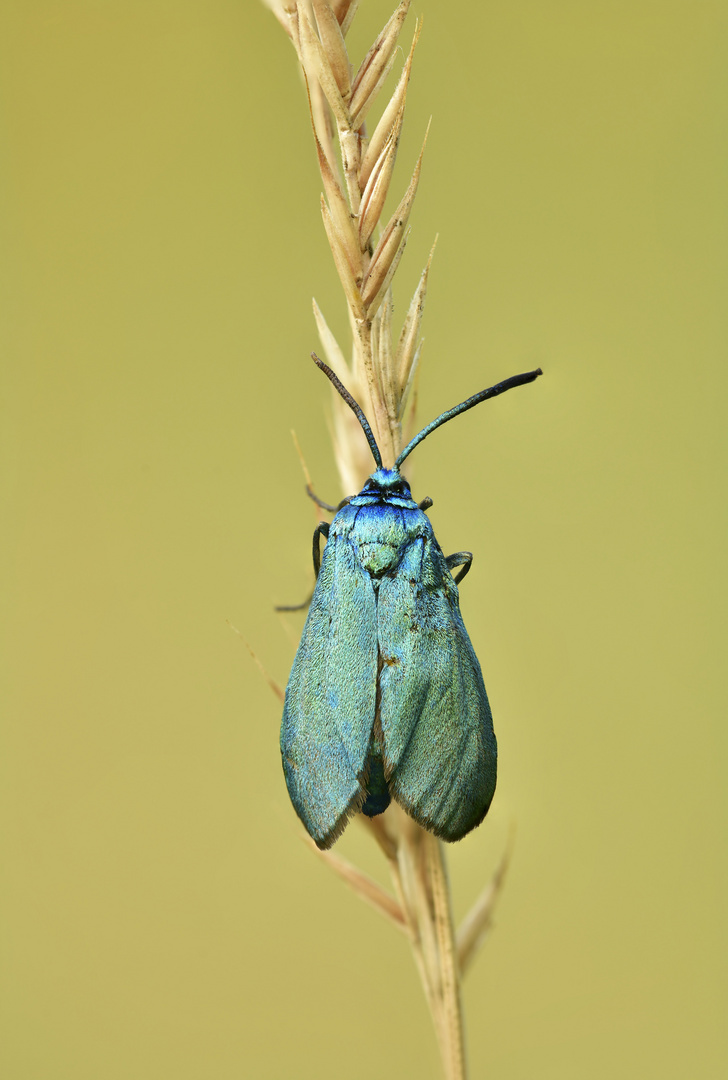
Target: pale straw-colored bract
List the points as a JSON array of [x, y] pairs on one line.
[[357, 169]]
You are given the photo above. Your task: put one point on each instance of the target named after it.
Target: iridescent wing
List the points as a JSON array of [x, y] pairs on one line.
[[439, 747], [331, 697]]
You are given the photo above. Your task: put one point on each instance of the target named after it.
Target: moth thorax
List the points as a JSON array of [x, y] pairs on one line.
[[378, 557]]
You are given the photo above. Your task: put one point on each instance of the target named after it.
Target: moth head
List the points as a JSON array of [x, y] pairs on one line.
[[387, 482]]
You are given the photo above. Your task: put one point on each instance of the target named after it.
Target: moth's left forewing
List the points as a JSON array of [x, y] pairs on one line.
[[440, 750], [330, 701]]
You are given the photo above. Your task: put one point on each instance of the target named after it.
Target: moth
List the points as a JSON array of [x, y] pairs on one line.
[[386, 698]]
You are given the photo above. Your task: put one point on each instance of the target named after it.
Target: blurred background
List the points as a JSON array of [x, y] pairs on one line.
[[160, 915]]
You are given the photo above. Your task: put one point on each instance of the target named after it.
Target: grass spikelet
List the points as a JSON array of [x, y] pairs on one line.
[[357, 173]]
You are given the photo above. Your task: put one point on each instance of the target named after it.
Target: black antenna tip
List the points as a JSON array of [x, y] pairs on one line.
[[353, 405]]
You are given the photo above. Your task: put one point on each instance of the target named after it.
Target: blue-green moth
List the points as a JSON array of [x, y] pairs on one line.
[[386, 697]]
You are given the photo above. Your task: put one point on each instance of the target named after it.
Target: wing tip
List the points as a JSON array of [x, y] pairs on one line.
[[447, 831]]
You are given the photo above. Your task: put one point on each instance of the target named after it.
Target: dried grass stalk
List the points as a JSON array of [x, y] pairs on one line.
[[357, 175]]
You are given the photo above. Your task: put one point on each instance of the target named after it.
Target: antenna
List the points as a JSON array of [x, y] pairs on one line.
[[356, 409], [492, 391]]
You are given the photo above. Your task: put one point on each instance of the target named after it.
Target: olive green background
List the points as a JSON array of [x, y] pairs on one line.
[[162, 241]]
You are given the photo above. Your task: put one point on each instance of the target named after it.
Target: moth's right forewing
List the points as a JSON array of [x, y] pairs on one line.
[[440, 750], [331, 696]]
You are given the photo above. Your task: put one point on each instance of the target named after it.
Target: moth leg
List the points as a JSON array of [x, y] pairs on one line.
[[324, 505], [294, 607], [322, 529], [425, 504], [460, 558]]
